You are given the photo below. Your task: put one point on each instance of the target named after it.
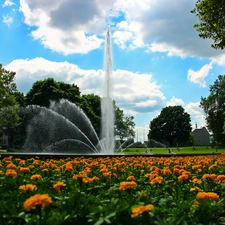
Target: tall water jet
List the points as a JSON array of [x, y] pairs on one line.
[[107, 106]]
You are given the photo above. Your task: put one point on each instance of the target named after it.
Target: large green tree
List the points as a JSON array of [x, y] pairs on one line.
[[214, 107], [124, 125], [9, 121], [7, 87], [171, 125], [9, 118], [212, 21], [43, 91]]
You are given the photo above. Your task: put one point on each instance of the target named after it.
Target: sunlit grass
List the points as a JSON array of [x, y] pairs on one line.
[[181, 150]]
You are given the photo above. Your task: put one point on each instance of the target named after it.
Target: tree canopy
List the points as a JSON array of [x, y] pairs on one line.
[[214, 106], [43, 91], [212, 21], [172, 125], [7, 87], [124, 125]]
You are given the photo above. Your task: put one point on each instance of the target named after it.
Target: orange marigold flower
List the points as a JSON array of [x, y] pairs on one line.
[[209, 177], [196, 167], [186, 173], [212, 166], [127, 184], [131, 178], [24, 170], [35, 177], [69, 166], [28, 187], [196, 181], [22, 162], [137, 165], [183, 177], [166, 171], [108, 174], [11, 173], [81, 174], [175, 170], [136, 211], [59, 185], [39, 199], [90, 179], [11, 166], [157, 180], [220, 178], [104, 170], [208, 195]]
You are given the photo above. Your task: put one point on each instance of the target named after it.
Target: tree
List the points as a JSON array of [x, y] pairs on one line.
[[212, 21], [9, 121], [43, 91], [124, 125], [214, 106], [20, 98], [173, 123], [7, 87]]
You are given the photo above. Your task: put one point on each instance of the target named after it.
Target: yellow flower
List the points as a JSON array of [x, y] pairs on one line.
[[195, 189], [58, 186], [136, 211], [195, 205], [131, 178], [208, 195], [39, 199], [36, 177], [28, 187], [11, 173], [127, 184]]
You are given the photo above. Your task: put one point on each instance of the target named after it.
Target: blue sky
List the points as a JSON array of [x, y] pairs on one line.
[[158, 58]]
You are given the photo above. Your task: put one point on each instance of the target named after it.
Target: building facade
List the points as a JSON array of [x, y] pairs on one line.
[[201, 136]]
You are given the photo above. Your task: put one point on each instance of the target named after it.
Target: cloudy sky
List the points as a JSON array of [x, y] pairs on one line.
[[158, 57]]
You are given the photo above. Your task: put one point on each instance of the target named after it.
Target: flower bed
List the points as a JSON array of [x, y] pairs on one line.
[[116, 190]]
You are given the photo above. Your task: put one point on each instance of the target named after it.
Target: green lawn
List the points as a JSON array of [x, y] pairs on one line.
[[182, 150]]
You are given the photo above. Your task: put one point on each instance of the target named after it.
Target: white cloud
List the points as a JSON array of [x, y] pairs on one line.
[[166, 28], [175, 101], [7, 3], [7, 20], [134, 93], [198, 77], [196, 113], [74, 26], [66, 26]]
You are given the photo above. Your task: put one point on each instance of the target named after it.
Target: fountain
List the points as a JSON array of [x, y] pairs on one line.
[[65, 127], [107, 107]]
